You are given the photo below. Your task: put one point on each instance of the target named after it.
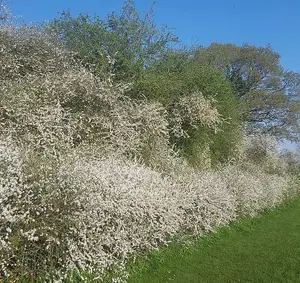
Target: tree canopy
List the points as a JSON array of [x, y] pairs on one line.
[[268, 94], [123, 44]]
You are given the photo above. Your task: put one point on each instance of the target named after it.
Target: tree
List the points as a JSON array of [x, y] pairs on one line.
[[123, 44], [268, 95], [177, 77]]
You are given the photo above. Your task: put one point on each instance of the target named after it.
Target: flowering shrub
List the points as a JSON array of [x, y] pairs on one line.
[[88, 176], [262, 150], [90, 213], [193, 111], [35, 213]]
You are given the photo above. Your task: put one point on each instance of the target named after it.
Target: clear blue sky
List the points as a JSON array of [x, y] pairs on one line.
[[257, 22]]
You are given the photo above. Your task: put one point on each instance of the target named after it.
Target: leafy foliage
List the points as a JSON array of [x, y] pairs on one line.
[[172, 87], [130, 41], [268, 94]]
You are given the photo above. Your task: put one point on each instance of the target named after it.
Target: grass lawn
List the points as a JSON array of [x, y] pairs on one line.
[[261, 250]]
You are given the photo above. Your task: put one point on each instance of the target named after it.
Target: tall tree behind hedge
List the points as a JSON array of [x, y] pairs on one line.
[[268, 94], [123, 44]]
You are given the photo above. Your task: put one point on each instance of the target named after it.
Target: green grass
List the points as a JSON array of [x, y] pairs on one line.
[[261, 250]]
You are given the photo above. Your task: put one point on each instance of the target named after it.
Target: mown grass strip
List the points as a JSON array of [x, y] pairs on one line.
[[261, 250]]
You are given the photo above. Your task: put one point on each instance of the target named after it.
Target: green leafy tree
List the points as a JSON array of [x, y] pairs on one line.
[[269, 95], [175, 77], [122, 44]]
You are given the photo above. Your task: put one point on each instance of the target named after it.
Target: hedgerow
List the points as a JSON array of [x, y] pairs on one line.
[[90, 177]]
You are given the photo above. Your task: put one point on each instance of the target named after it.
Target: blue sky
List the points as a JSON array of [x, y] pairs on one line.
[[257, 22]]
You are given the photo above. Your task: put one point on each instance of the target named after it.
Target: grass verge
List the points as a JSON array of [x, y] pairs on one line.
[[265, 249]]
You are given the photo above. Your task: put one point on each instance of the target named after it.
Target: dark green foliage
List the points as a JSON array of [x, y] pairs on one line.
[[213, 86], [121, 44], [166, 83], [83, 35]]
